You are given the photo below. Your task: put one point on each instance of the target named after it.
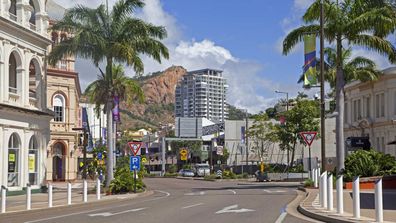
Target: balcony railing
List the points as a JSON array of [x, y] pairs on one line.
[[33, 27], [13, 90], [13, 17]]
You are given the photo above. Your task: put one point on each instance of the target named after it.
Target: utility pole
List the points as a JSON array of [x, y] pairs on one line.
[[322, 93], [287, 109], [247, 138]]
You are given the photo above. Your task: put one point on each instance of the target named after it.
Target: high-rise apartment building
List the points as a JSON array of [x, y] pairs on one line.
[[202, 93]]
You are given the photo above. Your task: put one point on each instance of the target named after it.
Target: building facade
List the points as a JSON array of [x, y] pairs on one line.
[[370, 111], [202, 93], [24, 117]]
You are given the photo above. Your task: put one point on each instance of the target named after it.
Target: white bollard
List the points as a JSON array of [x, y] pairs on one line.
[[340, 194], [316, 177], [3, 199], [320, 191], [85, 191], [330, 192], [356, 198], [69, 191], [28, 197], [379, 212], [50, 195], [324, 189], [98, 189]]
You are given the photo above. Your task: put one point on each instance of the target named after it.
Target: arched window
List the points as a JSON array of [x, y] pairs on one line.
[[32, 19], [59, 108], [33, 160], [13, 160], [12, 72], [34, 73]]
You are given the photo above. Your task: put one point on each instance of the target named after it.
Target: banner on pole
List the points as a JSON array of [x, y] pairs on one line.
[[310, 60]]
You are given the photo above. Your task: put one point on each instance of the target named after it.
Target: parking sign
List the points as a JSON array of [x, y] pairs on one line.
[[134, 163]]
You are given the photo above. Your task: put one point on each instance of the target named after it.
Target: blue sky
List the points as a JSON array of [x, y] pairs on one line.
[[243, 38]]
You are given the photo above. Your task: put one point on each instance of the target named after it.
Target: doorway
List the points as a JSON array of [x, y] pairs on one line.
[[58, 162]]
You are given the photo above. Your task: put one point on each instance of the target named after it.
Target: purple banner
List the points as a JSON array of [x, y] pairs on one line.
[[116, 110], [243, 134]]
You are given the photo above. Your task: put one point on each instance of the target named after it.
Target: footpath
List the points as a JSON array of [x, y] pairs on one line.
[[17, 203], [310, 206]]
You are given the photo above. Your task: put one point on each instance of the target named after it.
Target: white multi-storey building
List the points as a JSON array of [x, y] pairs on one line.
[[202, 93], [24, 117], [370, 110]]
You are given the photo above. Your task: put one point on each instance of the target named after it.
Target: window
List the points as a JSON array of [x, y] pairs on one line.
[[13, 160], [357, 113], [12, 73], [32, 80], [59, 108], [32, 161], [13, 10], [346, 112], [367, 107], [380, 105]]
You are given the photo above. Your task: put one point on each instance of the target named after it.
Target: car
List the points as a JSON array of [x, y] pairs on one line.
[[186, 173], [201, 169]]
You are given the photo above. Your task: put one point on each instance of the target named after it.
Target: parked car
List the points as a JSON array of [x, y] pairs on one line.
[[186, 173], [201, 169]]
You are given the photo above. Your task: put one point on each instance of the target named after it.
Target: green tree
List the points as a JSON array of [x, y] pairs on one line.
[[364, 23], [110, 37]]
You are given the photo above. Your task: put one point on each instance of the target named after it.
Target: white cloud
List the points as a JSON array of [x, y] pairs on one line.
[[302, 4], [381, 61], [246, 83]]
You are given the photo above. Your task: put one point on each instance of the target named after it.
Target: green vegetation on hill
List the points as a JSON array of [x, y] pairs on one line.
[[236, 113]]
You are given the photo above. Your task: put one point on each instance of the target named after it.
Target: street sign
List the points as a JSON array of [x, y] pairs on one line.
[[212, 129], [99, 156], [134, 163], [219, 150], [135, 148], [308, 137], [183, 154], [144, 160]]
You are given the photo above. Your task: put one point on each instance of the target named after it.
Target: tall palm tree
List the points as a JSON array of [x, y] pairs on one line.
[[357, 68], [116, 36], [363, 23]]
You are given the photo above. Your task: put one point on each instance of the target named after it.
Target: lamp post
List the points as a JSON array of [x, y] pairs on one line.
[[287, 109]]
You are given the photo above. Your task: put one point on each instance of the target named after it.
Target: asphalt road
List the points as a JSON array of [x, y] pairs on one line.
[[177, 200]]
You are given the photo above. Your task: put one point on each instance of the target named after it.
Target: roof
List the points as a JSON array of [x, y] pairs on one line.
[[45, 112], [388, 72]]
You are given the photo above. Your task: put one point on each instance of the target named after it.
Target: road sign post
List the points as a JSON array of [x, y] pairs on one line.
[[134, 166], [309, 138]]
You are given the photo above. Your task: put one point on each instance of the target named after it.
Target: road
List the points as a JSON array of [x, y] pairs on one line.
[[177, 200]]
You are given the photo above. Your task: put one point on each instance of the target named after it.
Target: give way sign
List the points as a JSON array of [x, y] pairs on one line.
[[135, 148], [308, 137]]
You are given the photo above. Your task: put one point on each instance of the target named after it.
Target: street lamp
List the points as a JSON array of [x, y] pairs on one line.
[[287, 109]]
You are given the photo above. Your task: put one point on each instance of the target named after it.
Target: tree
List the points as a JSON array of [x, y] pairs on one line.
[[109, 37], [364, 23]]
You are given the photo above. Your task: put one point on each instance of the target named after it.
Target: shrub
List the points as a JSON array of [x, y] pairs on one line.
[[123, 181], [168, 174], [227, 174], [369, 163], [172, 168], [308, 183]]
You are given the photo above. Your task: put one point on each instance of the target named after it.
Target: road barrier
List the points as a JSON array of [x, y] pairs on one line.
[[330, 192], [69, 191], [50, 195], [28, 197], [379, 212], [3, 198], [340, 194], [356, 198], [98, 189], [85, 191]]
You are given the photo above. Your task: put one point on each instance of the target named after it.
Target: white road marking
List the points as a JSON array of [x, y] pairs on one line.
[[281, 217], [232, 209], [233, 191], [190, 206], [274, 191], [195, 194], [107, 214], [95, 210]]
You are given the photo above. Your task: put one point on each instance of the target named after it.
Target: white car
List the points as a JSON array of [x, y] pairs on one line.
[[186, 173], [202, 169]]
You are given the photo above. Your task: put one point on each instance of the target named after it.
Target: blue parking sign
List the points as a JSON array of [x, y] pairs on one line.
[[134, 163], [99, 155]]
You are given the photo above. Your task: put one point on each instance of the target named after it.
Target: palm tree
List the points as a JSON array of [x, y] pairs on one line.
[[357, 68], [363, 23], [116, 36]]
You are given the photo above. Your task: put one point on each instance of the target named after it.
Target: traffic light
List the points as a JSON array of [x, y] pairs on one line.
[[80, 139]]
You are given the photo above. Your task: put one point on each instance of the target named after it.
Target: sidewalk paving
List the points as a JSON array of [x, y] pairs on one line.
[[311, 207], [59, 197]]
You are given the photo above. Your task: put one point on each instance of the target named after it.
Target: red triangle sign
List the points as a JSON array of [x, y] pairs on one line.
[[308, 137], [135, 147]]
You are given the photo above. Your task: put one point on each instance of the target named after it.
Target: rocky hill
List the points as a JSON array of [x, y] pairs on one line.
[[159, 90]]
